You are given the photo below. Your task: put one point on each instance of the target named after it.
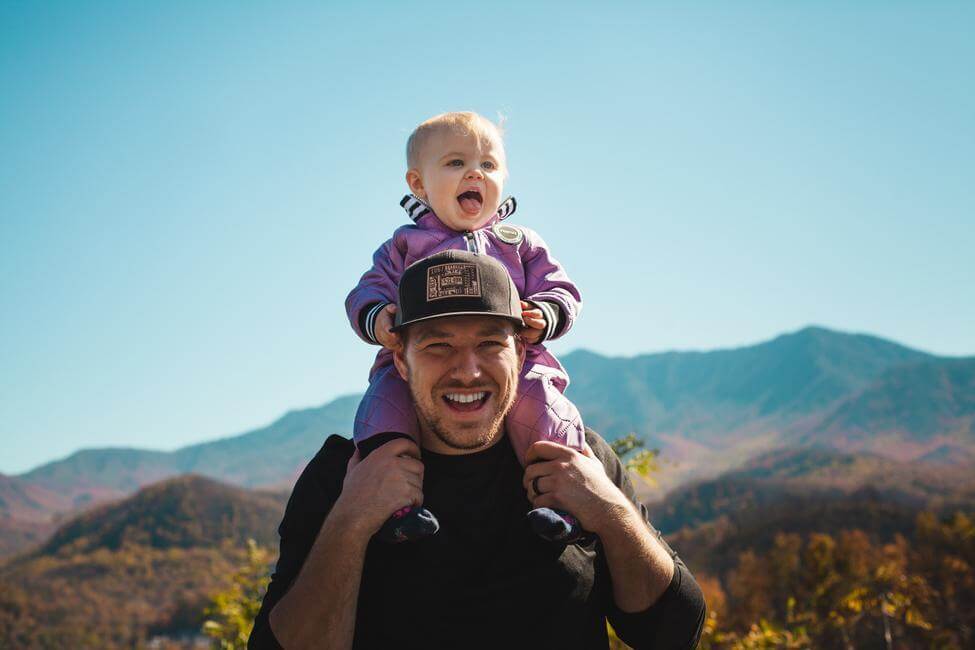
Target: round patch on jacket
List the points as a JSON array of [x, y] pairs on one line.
[[508, 234]]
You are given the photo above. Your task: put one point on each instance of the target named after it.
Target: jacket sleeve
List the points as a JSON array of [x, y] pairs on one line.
[[547, 282], [676, 619], [376, 288], [314, 493]]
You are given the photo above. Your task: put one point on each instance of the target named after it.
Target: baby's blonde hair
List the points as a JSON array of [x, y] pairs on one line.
[[460, 122]]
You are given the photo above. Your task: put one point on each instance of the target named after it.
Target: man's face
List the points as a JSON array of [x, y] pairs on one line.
[[463, 374], [461, 177]]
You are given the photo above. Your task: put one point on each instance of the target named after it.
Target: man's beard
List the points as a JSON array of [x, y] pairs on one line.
[[460, 437]]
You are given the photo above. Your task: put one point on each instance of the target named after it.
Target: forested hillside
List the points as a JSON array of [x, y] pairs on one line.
[[779, 531], [126, 572]]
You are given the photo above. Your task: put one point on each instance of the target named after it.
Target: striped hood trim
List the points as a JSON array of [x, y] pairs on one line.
[[415, 207], [418, 208]]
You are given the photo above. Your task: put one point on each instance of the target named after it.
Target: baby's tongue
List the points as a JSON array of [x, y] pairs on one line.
[[470, 206]]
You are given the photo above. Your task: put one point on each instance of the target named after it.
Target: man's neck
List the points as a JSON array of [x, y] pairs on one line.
[[430, 441]]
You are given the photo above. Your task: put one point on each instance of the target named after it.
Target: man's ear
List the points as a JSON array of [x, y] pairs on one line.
[[415, 183], [399, 360], [521, 349]]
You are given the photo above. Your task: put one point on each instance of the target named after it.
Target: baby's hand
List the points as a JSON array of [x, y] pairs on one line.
[[384, 321], [534, 322]]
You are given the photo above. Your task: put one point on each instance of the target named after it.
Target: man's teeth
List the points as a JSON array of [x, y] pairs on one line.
[[465, 399]]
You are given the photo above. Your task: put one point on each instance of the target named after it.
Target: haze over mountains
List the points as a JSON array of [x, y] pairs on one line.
[[713, 410], [706, 411]]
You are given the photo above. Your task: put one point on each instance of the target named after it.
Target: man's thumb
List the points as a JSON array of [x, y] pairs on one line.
[[354, 460]]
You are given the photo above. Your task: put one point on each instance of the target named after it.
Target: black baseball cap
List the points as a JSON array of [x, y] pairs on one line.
[[456, 283]]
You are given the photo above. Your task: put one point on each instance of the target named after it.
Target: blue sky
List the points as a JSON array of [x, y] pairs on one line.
[[189, 190]]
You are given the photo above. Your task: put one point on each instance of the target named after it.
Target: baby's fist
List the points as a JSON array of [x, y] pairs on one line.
[[534, 322], [384, 321]]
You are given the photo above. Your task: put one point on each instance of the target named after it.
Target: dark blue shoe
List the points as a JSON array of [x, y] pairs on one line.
[[558, 526], [408, 525]]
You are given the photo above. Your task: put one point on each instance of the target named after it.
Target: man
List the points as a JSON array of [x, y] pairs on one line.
[[485, 580]]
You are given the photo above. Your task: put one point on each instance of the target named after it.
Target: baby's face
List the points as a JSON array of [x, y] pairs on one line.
[[461, 177]]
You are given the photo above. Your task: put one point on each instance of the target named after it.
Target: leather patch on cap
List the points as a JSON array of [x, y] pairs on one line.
[[458, 279]]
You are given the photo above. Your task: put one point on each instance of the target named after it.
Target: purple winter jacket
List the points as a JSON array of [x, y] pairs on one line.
[[538, 276]]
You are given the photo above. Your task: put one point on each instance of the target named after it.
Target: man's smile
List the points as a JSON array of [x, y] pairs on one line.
[[466, 402]]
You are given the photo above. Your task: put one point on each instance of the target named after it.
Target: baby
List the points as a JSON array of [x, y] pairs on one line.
[[456, 174]]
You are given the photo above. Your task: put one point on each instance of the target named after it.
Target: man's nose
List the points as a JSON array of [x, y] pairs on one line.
[[467, 367]]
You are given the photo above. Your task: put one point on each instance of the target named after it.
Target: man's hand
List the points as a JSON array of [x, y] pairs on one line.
[[534, 322], [389, 478], [384, 321], [574, 482], [319, 608]]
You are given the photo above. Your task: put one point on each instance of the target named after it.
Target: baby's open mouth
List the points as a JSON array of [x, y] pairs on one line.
[[470, 202]]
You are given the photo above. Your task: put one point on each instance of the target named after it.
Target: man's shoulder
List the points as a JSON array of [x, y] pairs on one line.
[[599, 445], [316, 489], [605, 454], [335, 449], [326, 470]]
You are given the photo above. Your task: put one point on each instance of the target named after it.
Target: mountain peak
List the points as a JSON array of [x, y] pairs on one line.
[[820, 334], [186, 511]]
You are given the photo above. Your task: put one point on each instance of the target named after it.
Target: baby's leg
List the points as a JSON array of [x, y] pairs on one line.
[[386, 410], [385, 413], [542, 412]]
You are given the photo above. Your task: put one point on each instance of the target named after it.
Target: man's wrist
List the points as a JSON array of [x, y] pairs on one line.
[[349, 521], [618, 518]]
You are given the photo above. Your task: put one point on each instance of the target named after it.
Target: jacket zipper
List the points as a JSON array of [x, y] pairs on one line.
[[471, 242]]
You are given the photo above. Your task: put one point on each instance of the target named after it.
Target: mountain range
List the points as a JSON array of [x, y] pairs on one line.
[[707, 412]]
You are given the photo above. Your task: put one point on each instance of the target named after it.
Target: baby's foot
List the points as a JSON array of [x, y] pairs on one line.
[[557, 526], [408, 525]]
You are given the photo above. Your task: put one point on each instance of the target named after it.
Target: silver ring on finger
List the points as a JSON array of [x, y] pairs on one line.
[[538, 492]]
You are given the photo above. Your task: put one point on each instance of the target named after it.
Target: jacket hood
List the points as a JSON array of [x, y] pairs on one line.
[[422, 214]]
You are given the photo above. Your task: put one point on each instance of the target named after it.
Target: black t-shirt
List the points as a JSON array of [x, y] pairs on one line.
[[485, 580]]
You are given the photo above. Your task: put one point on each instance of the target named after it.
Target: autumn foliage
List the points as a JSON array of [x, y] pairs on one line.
[[845, 590], [172, 568]]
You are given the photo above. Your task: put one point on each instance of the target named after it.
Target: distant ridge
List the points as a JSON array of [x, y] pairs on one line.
[[703, 394], [25, 513], [909, 412], [803, 474], [271, 456], [266, 456], [706, 411]]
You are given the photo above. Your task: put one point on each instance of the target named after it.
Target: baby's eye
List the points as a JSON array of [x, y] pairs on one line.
[[456, 162], [488, 164]]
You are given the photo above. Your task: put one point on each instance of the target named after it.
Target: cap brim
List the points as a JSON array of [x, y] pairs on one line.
[[517, 321]]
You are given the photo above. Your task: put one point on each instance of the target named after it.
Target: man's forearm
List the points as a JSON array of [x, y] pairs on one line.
[[319, 609], [640, 567]]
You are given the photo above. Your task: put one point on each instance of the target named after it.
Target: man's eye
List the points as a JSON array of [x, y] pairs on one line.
[[492, 344], [437, 346]]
